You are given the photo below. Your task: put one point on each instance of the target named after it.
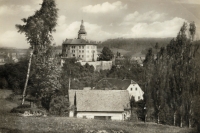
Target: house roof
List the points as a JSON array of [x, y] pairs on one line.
[[79, 42], [100, 100], [118, 84]]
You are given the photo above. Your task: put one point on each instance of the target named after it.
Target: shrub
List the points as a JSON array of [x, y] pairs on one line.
[[59, 106], [20, 108]]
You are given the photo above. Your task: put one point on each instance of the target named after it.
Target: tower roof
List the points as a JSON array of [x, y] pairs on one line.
[[82, 28]]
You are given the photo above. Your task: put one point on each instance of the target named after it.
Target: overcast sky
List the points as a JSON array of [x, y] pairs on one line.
[[103, 19]]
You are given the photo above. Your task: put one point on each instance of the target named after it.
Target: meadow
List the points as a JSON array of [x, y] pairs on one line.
[[12, 123]]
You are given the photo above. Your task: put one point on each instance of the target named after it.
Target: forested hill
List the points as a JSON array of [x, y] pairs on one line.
[[127, 43], [134, 44]]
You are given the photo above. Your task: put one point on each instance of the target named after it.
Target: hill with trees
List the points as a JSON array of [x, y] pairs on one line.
[[134, 45]]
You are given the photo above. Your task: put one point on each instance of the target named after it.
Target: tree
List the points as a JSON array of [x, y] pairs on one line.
[[3, 83], [59, 106], [38, 31], [171, 78], [106, 54]]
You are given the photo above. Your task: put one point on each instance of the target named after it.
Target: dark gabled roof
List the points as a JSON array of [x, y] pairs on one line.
[[79, 41], [118, 84], [100, 100]]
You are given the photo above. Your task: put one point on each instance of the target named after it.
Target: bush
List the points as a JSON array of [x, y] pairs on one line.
[[20, 108], [59, 106]]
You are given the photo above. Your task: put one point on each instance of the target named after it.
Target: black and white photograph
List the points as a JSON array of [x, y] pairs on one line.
[[99, 66]]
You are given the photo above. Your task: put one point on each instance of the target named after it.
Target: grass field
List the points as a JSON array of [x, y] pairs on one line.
[[11, 123], [73, 125]]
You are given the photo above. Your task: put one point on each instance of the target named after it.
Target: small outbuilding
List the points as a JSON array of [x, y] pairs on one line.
[[100, 104]]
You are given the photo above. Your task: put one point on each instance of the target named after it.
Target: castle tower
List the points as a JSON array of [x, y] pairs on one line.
[[82, 33]]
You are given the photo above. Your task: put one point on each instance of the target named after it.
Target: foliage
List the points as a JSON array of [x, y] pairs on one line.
[[39, 27], [171, 79], [59, 106], [38, 30], [106, 55], [79, 76], [13, 75]]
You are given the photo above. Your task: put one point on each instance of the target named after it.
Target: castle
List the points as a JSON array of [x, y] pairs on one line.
[[85, 51]]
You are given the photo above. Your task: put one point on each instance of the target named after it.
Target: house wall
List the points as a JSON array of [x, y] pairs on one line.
[[136, 91], [91, 115], [84, 52]]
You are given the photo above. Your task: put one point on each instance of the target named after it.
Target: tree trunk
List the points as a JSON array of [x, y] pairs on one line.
[[69, 83], [174, 118], [27, 77], [189, 123], [181, 123], [158, 121]]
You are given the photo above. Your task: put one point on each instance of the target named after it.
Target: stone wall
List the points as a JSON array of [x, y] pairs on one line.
[[99, 65]]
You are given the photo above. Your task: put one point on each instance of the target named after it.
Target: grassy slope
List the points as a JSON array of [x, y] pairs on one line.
[[16, 124], [73, 125], [5, 104]]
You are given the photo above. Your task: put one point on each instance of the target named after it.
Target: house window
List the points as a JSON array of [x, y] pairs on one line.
[[135, 88], [82, 46], [138, 97]]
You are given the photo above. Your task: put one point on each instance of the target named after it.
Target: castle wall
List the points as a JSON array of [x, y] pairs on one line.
[[99, 65]]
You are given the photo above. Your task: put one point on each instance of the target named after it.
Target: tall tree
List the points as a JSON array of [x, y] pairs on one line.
[[38, 30]]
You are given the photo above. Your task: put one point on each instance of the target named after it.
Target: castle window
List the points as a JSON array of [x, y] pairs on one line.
[[82, 46], [79, 51], [79, 56], [82, 55], [79, 46], [82, 51]]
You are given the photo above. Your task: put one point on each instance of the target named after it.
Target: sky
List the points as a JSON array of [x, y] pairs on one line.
[[103, 19]]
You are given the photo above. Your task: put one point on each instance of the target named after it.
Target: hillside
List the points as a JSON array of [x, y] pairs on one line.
[[134, 45]]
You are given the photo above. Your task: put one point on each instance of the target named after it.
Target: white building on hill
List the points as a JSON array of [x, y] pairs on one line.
[[85, 51]]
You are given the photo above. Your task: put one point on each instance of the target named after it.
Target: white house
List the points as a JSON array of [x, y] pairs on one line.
[[121, 84], [100, 104]]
